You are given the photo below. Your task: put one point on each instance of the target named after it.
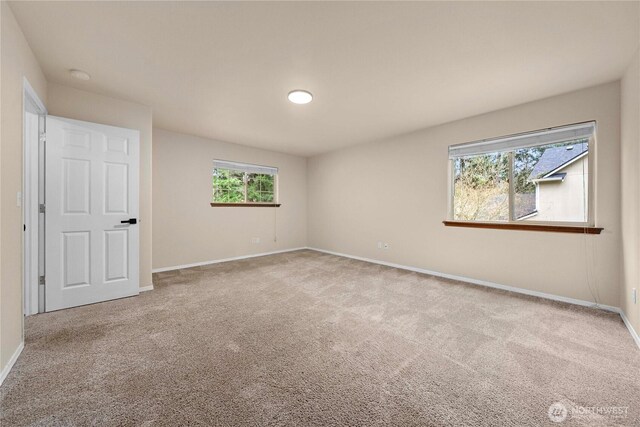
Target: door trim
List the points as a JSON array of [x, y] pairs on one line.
[[31, 180]]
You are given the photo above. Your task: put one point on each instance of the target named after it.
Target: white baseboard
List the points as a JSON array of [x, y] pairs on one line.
[[198, 264], [479, 282], [12, 361], [632, 331], [146, 288]]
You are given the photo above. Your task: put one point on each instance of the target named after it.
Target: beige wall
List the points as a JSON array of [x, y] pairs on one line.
[[631, 191], [395, 191], [17, 61], [564, 200], [188, 230], [81, 105]]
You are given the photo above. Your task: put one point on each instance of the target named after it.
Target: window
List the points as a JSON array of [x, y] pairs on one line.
[[243, 184], [537, 177]]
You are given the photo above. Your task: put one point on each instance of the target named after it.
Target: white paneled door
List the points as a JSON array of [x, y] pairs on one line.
[[91, 213]]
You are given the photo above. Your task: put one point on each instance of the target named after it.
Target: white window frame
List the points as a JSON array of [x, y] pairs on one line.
[[591, 176], [247, 168]]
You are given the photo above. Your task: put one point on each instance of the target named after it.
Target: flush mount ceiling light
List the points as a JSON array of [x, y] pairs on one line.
[[300, 96], [79, 74]]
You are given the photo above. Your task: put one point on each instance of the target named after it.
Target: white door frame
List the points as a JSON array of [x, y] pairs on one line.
[[30, 199]]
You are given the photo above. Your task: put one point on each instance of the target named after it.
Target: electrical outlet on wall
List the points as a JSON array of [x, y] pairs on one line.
[[379, 245], [255, 240], [634, 295]]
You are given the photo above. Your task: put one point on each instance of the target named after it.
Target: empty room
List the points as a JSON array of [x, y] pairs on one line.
[[319, 213]]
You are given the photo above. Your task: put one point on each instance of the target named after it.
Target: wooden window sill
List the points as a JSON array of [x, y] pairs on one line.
[[527, 227], [245, 205]]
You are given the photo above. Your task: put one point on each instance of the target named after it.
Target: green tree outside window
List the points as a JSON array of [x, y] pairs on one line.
[[240, 187]]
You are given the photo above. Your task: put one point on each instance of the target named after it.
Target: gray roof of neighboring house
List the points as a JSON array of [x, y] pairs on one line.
[[554, 157], [525, 204]]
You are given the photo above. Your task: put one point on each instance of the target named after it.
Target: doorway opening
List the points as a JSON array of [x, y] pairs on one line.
[[33, 119]]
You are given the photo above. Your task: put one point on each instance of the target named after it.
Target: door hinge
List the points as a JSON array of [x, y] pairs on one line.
[[41, 280], [43, 137], [42, 208]]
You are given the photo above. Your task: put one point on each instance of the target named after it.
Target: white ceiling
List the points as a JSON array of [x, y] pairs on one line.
[[223, 70]]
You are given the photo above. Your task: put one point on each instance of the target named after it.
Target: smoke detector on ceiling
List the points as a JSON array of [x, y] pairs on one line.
[[79, 74]]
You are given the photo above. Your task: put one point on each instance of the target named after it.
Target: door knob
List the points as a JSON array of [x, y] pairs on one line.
[[130, 221]]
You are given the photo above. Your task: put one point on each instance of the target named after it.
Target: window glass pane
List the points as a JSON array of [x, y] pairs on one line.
[[551, 182], [481, 188], [260, 188], [228, 186]]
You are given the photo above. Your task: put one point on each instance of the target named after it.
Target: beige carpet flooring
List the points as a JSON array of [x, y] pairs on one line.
[[310, 339]]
